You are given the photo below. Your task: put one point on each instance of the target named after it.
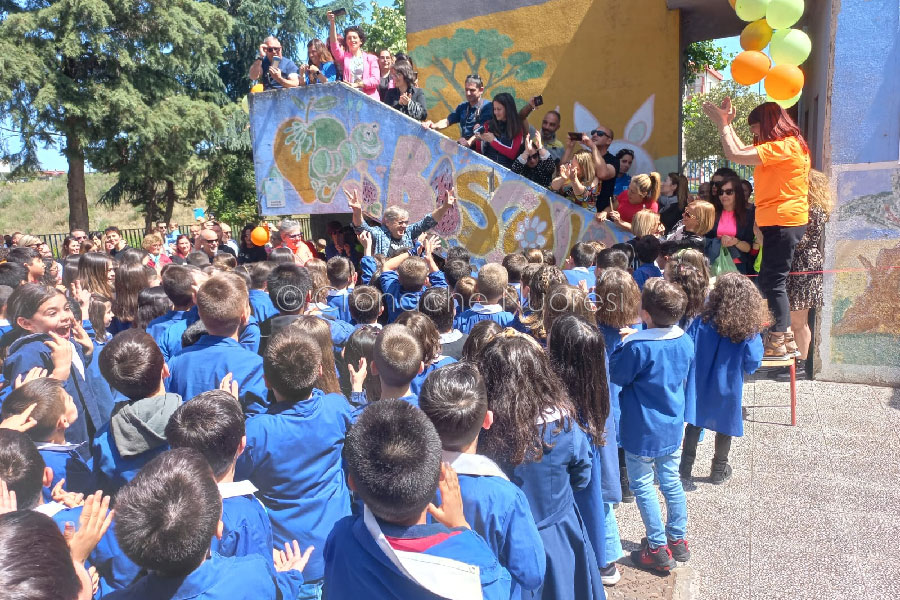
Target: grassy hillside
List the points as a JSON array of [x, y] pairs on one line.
[[42, 206]]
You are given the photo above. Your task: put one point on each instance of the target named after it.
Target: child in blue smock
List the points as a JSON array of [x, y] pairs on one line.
[[532, 319], [213, 424], [365, 306], [651, 366], [646, 250], [46, 335], [260, 303], [166, 518], [133, 365], [424, 330], [178, 284], [455, 400], [578, 356], [729, 346], [489, 288], [514, 263], [403, 280], [293, 453], [99, 318], [536, 440], [397, 360], [391, 551], [578, 265], [341, 278], [223, 306], [54, 411]]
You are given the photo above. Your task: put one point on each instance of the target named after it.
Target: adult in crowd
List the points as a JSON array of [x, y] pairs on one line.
[[171, 236], [733, 228], [360, 68], [806, 291], [503, 136], [606, 166], [468, 115], [272, 69], [623, 179], [717, 179], [321, 67], [748, 189], [227, 240], [704, 191], [405, 96], [690, 232], [341, 241], [153, 244], [183, 246], [549, 126], [291, 237], [535, 163], [395, 230], [70, 247], [78, 234], [385, 61], [29, 241], [115, 243], [248, 251], [577, 180], [642, 193], [223, 246], [782, 162], [673, 199], [209, 243]]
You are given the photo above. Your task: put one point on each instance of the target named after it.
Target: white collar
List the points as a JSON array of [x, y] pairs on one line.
[[76, 360], [550, 416], [444, 577], [56, 447], [472, 464], [656, 334], [343, 292], [451, 336], [232, 489], [486, 309], [51, 509], [582, 269], [4, 322]]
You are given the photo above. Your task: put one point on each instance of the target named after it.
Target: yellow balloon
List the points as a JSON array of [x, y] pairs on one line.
[[790, 47], [785, 103], [782, 14], [756, 35], [751, 10], [256, 88]]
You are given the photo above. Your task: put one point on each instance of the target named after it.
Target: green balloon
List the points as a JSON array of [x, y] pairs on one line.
[[782, 14], [790, 47], [751, 10], [785, 103]]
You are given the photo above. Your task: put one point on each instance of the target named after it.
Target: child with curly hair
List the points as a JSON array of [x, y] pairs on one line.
[[728, 346]]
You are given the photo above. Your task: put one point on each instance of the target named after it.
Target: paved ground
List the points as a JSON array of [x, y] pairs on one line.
[[808, 511]]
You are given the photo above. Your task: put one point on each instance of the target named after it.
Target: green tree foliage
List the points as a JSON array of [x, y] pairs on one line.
[[699, 55], [478, 52], [233, 197], [701, 137], [387, 29]]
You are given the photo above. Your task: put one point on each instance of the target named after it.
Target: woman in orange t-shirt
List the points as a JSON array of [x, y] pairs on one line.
[[781, 157]]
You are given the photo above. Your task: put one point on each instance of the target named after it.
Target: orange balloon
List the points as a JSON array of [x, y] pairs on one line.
[[784, 82], [259, 236], [750, 67], [732, 3]]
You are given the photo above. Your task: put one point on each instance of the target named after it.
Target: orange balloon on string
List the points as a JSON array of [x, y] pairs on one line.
[[750, 67], [259, 236], [784, 82]]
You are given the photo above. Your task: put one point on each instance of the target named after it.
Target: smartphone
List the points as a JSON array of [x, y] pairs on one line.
[[276, 60], [479, 128], [576, 136], [538, 100], [339, 12]]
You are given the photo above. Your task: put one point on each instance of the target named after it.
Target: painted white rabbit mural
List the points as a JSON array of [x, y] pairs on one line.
[[636, 134]]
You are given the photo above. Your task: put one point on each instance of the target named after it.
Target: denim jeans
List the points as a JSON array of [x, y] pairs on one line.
[[612, 547], [640, 477], [311, 591]]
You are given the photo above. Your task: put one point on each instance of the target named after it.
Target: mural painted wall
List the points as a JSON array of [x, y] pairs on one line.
[[861, 318], [309, 144], [604, 62]]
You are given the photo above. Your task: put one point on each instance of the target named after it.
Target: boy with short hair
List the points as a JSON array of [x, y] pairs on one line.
[[646, 250], [403, 555], [223, 306], [489, 290], [54, 410], [403, 279], [169, 336], [514, 263], [578, 265], [651, 367], [30, 259], [134, 366], [341, 278], [438, 305], [178, 284], [398, 359], [456, 269], [260, 303], [365, 306], [455, 400], [165, 520], [293, 451]]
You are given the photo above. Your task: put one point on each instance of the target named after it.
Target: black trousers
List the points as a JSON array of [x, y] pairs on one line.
[[778, 253]]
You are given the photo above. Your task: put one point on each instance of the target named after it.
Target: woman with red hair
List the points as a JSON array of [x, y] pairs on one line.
[[782, 162]]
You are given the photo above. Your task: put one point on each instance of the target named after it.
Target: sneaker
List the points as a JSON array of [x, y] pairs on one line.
[[720, 475], [679, 549], [658, 559], [610, 575]]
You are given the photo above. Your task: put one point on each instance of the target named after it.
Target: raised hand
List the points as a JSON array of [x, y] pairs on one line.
[[365, 238], [290, 559], [450, 512], [81, 336], [449, 197], [487, 137], [353, 200], [7, 499], [31, 375], [404, 99], [358, 376], [95, 520], [70, 499], [230, 385], [60, 355]]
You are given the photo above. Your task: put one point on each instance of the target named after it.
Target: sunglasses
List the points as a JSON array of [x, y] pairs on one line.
[[474, 76], [273, 48], [726, 192], [600, 133], [690, 214]]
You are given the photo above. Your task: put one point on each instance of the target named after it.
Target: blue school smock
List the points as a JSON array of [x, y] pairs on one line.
[[293, 456], [550, 485], [113, 470], [644, 272], [156, 327], [29, 351], [261, 305], [415, 386], [467, 319], [518, 287], [201, 367], [590, 500], [613, 340], [169, 341], [103, 393], [498, 511], [337, 300], [217, 578], [652, 366], [66, 463], [576, 275], [249, 335], [357, 567], [691, 327], [721, 365], [400, 300]]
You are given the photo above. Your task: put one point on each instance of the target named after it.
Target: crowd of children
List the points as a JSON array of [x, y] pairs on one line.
[[408, 426]]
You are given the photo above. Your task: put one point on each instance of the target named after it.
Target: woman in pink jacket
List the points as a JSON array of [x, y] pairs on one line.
[[360, 68]]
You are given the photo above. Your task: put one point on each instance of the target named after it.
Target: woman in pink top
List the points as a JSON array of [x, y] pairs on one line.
[[733, 228], [360, 68]]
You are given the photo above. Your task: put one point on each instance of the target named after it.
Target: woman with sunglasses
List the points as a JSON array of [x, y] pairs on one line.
[[782, 162], [733, 228], [690, 232]]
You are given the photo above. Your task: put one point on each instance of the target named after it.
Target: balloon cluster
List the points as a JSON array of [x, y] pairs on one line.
[[770, 25]]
